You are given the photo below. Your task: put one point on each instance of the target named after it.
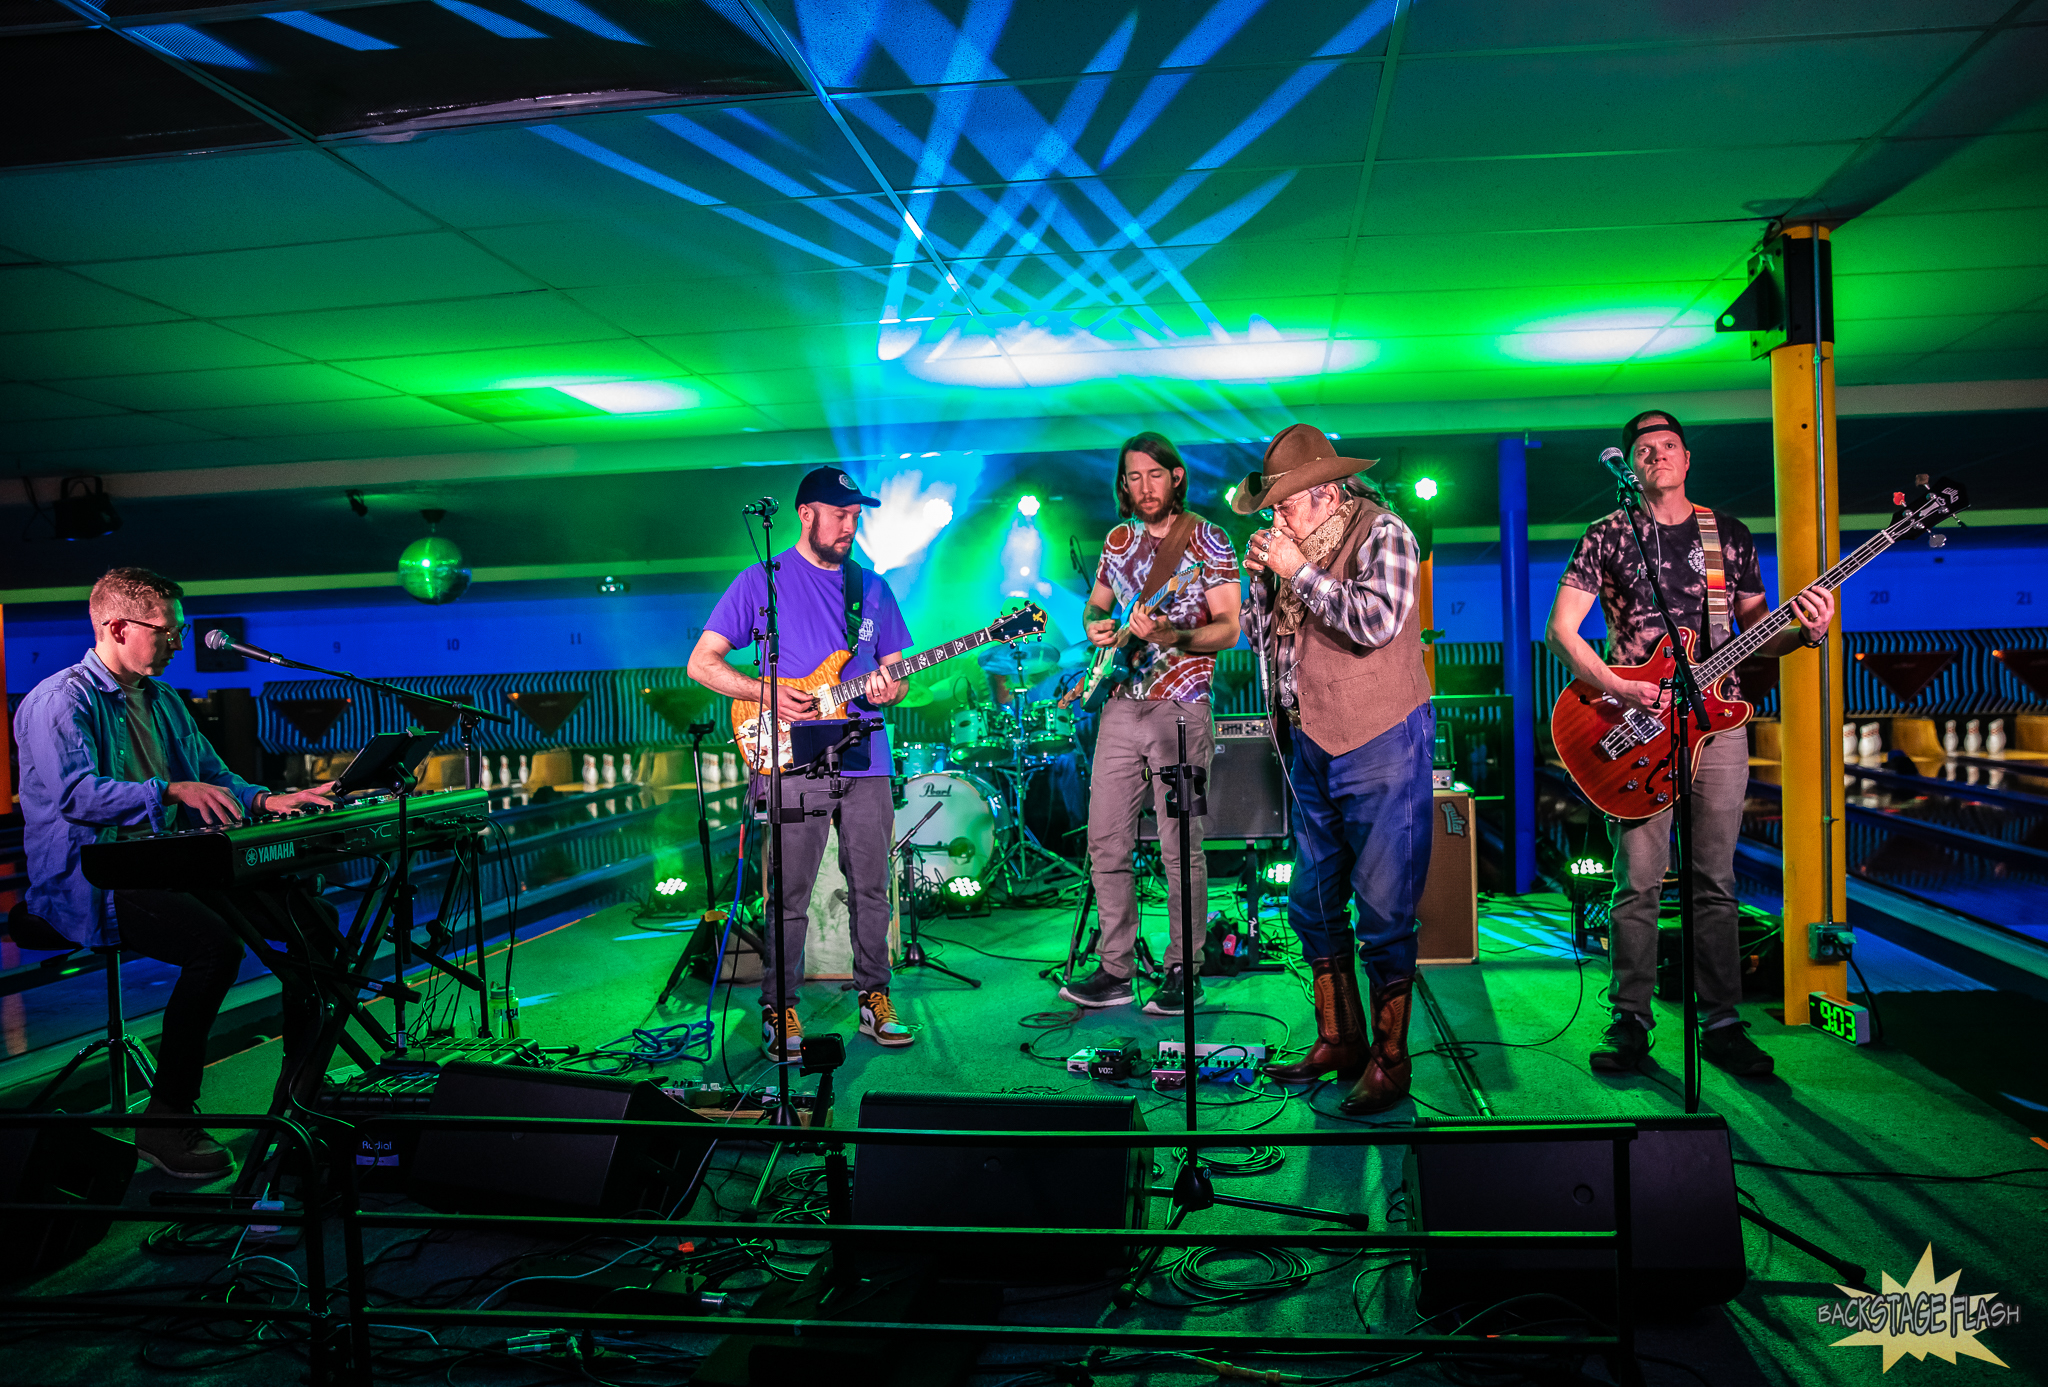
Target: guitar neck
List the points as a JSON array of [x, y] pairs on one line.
[[904, 668], [1724, 661]]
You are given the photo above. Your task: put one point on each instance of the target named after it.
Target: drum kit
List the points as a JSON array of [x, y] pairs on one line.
[[962, 800]]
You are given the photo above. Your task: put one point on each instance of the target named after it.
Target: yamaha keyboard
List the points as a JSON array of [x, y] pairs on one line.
[[224, 856]]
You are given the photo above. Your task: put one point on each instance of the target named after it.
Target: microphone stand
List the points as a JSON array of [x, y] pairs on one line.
[[1686, 705], [771, 877], [913, 951], [467, 717]]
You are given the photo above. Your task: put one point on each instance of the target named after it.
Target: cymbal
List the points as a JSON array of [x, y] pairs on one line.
[[1031, 660], [919, 696]]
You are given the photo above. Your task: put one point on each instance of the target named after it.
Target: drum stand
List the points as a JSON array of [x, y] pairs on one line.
[[1143, 964], [914, 955]]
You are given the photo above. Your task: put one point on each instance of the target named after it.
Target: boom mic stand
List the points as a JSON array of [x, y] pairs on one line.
[[1686, 705], [914, 955], [770, 637]]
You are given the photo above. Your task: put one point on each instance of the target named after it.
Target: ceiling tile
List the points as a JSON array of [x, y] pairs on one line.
[[1918, 294], [165, 457], [35, 402], [1887, 336], [1994, 172], [164, 208], [1455, 260], [338, 274], [692, 423], [36, 297], [129, 350], [1442, 25], [333, 416], [847, 297], [1748, 94], [1458, 311], [2016, 363], [1953, 241], [507, 320], [2014, 330], [101, 431], [772, 349], [394, 443], [249, 385], [565, 363]]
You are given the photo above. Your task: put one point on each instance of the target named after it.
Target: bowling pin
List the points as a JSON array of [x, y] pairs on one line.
[[483, 772], [1871, 742], [732, 766], [1994, 741], [589, 771], [1950, 742], [1848, 741], [525, 768], [1973, 740], [1995, 779], [611, 771], [504, 770]]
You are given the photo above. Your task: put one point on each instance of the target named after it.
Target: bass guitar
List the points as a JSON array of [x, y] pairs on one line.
[[749, 719], [1112, 663], [1620, 754]]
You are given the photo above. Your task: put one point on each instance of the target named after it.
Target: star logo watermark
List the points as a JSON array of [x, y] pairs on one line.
[[1922, 1317]]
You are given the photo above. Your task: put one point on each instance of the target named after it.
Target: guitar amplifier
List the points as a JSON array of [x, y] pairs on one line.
[[1447, 916], [1247, 788]]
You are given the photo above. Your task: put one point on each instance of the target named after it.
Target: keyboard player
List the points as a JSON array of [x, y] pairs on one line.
[[109, 750]]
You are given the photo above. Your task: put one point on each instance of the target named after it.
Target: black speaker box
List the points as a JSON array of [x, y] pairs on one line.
[[540, 1172], [1247, 787], [1003, 1186], [1688, 1236], [56, 1165]]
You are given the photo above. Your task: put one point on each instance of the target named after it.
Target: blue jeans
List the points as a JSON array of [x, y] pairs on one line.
[[1362, 830]]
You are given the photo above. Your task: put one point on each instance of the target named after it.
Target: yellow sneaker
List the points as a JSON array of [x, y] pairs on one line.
[[793, 1041]]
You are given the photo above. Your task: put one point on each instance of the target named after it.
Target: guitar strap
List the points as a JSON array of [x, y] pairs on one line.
[[851, 586], [1718, 624], [1172, 545]]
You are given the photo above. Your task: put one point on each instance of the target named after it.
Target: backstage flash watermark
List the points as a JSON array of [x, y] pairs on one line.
[[1923, 1317]]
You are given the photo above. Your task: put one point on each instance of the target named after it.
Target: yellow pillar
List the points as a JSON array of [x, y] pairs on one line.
[[1426, 597], [1803, 425]]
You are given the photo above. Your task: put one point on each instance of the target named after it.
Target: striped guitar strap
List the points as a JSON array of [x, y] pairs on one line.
[[1718, 624]]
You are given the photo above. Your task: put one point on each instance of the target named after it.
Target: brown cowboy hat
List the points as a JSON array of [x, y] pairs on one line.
[[1298, 458]]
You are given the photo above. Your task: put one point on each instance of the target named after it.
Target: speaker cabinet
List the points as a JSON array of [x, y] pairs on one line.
[[1247, 788], [1447, 916], [992, 1186], [57, 1165], [1688, 1238], [538, 1172]]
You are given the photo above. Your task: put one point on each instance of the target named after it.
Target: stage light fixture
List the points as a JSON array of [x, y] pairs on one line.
[[432, 570], [612, 587], [83, 510], [963, 888], [1588, 867], [1425, 489], [357, 504], [1279, 874], [1027, 506], [670, 886]]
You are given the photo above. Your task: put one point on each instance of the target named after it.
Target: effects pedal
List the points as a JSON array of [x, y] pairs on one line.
[[1118, 1061], [1225, 1061]]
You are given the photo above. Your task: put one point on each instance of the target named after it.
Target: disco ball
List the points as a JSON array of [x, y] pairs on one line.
[[431, 570]]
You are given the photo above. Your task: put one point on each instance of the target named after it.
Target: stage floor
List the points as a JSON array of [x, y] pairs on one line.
[[1868, 1152]]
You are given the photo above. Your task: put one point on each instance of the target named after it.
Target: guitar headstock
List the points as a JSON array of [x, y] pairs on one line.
[[1926, 505], [1021, 625]]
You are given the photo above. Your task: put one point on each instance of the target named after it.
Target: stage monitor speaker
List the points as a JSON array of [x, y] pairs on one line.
[[1247, 787], [1002, 1186], [56, 1165], [538, 1172], [1688, 1237], [1447, 916]]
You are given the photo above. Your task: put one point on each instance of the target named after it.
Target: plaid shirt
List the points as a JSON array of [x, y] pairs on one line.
[[1369, 609]]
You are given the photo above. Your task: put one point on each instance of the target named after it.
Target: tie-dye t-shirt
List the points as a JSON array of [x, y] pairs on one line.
[[1126, 563]]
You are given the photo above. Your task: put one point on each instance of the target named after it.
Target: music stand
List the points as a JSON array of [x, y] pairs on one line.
[[389, 761]]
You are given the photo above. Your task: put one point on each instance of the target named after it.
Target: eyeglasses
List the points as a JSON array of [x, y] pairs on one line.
[[180, 633]]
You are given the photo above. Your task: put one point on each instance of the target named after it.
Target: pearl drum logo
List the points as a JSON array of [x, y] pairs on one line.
[[270, 852]]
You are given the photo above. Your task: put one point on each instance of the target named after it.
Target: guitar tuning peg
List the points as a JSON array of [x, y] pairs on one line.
[[1937, 541]]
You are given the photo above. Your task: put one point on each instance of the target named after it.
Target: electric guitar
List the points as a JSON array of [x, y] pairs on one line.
[[1111, 665], [1620, 754], [749, 719]]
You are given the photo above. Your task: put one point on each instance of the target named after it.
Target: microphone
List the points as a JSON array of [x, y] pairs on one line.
[[217, 639], [767, 505], [1616, 462]]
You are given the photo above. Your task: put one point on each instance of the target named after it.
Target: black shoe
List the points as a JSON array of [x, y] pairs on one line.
[[1731, 1049], [183, 1153], [1622, 1049], [1171, 997], [1100, 988]]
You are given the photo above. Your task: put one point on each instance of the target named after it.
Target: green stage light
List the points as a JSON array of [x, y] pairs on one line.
[[1027, 506], [671, 886], [1279, 873], [963, 888], [1425, 489], [1588, 867]]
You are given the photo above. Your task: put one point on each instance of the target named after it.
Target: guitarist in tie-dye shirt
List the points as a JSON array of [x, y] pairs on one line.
[[1172, 663]]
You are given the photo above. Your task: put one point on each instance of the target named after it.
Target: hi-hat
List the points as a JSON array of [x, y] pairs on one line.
[[1033, 660]]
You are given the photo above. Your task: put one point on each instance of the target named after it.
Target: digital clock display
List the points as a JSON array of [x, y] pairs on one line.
[[1844, 1020]]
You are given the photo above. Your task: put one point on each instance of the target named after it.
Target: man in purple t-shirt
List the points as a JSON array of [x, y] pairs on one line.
[[810, 585]]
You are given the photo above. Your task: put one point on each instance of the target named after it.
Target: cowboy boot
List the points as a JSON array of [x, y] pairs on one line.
[[1385, 1081], [1341, 1042]]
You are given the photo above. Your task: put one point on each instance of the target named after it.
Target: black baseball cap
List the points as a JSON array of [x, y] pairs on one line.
[[828, 486], [1649, 421]]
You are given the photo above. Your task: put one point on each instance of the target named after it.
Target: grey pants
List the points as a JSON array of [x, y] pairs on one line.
[[1136, 735], [1641, 858], [866, 822]]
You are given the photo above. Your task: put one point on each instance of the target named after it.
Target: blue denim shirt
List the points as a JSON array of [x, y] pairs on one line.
[[73, 734]]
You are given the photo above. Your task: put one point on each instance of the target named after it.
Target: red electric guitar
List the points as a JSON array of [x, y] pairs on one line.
[[1620, 754]]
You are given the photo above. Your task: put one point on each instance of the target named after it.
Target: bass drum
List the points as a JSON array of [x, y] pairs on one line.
[[961, 838]]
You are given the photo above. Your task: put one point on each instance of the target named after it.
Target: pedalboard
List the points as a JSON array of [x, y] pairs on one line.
[[1227, 1061]]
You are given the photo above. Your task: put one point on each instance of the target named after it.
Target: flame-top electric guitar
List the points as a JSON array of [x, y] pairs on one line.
[[748, 719], [1112, 663], [1620, 754]]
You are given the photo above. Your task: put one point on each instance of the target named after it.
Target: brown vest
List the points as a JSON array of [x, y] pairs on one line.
[[1350, 693]]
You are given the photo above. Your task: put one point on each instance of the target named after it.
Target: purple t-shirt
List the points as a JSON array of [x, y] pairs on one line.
[[811, 604]]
